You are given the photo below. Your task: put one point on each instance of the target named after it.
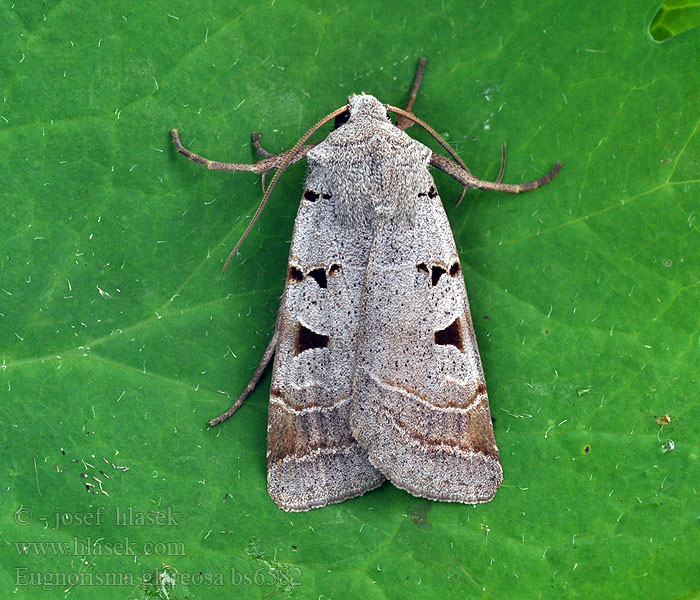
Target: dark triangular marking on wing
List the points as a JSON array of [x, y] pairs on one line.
[[438, 272], [307, 340], [450, 336], [320, 276]]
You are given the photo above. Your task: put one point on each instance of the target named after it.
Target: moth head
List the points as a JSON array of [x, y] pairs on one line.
[[363, 106]]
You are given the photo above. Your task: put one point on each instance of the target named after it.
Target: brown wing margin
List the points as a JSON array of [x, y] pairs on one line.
[[313, 460]]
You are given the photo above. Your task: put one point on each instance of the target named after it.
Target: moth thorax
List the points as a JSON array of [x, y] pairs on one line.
[[363, 211]]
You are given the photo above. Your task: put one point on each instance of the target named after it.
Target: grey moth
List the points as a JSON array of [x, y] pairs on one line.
[[376, 372]]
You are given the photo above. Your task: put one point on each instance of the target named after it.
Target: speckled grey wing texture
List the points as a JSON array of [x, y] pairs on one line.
[[419, 398], [313, 458]]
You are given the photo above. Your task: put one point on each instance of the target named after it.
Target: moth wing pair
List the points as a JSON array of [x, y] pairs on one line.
[[376, 372]]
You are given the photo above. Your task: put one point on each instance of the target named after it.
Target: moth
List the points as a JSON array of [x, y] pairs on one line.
[[376, 373]]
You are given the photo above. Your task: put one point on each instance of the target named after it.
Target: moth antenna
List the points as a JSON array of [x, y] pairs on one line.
[[431, 131], [285, 163]]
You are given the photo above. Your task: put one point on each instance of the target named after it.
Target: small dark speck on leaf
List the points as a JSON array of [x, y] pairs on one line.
[[419, 516], [586, 448], [486, 317]]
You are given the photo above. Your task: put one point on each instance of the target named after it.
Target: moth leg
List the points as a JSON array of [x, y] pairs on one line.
[[266, 358], [280, 157], [258, 148], [469, 181], [402, 122], [300, 154], [498, 179], [503, 164], [264, 166]]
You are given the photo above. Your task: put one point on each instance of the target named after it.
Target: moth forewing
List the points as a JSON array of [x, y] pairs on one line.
[[313, 459], [419, 398]]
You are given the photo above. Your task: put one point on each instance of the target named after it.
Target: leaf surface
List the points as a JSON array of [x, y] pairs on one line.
[[120, 337]]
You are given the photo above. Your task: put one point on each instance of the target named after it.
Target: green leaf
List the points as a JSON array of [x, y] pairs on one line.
[[120, 337], [674, 17]]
